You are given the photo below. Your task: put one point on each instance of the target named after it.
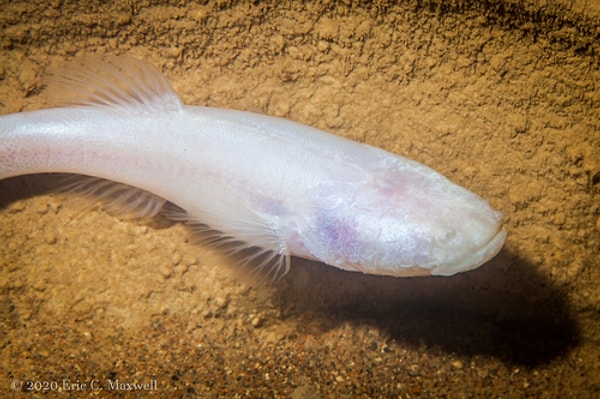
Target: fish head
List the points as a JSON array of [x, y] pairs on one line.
[[404, 223]]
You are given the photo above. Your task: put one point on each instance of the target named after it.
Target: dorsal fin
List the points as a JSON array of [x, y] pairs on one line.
[[117, 82]]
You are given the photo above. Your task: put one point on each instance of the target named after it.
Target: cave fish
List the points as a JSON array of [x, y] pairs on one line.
[[257, 185]]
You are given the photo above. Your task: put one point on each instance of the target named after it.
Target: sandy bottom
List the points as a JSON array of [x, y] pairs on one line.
[[502, 98]]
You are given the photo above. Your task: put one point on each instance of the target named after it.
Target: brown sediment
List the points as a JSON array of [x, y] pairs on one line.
[[500, 96]]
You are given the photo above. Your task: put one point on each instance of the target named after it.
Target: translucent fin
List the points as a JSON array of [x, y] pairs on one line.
[[250, 239], [117, 199], [117, 82], [265, 263]]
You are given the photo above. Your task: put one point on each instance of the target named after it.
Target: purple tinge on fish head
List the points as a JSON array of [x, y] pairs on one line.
[[338, 238]]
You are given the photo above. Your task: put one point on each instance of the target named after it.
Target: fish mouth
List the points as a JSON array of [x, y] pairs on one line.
[[484, 254], [465, 262], [491, 248]]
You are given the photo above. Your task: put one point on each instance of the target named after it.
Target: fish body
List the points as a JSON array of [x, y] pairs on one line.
[[255, 181]]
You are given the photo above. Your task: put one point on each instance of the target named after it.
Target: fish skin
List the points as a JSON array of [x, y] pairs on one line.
[[252, 180]]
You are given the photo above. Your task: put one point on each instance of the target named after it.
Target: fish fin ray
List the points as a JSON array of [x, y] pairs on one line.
[[118, 199], [121, 82], [266, 263], [241, 233]]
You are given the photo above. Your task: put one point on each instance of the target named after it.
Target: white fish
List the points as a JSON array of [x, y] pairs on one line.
[[250, 180]]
